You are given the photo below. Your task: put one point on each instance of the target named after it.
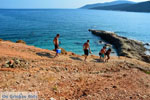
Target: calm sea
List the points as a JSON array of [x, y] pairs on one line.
[[38, 27]]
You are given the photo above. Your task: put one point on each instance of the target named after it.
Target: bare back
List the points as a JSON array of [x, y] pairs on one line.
[[86, 46], [56, 41]]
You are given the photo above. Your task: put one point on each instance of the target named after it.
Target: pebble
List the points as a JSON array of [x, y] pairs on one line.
[[7, 62], [17, 82], [62, 98], [6, 65], [33, 85], [114, 87], [11, 62], [17, 61], [41, 68], [29, 75], [124, 75], [52, 98], [130, 97]]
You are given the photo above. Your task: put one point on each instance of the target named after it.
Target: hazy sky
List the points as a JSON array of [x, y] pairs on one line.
[[49, 3]]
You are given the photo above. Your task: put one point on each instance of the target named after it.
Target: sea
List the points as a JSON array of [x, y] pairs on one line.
[[38, 27]]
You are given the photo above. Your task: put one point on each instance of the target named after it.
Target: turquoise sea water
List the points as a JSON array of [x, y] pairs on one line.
[[38, 27]]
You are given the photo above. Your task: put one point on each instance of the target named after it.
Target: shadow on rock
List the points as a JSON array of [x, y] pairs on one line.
[[76, 58], [97, 60], [44, 54]]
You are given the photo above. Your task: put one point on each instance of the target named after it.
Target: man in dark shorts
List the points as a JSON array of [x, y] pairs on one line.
[[86, 48], [56, 43]]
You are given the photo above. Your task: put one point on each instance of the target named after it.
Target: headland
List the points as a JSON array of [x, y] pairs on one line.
[[124, 46]]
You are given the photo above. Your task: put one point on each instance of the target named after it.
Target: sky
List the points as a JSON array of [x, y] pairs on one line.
[[50, 3]]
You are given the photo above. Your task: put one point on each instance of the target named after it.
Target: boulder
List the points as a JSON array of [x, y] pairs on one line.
[[124, 46], [5, 65], [1, 40], [21, 41], [73, 53], [63, 51]]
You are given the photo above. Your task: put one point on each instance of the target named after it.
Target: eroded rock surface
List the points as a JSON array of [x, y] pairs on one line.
[[124, 46]]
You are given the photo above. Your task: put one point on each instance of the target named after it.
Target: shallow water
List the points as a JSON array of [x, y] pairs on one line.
[[38, 27]]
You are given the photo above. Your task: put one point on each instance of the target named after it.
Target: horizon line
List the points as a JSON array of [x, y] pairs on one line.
[[36, 8]]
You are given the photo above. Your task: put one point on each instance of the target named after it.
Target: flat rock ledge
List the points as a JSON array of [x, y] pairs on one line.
[[124, 46]]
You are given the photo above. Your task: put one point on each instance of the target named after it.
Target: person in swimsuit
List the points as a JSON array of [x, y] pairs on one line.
[[86, 48], [102, 53], [108, 54], [56, 43]]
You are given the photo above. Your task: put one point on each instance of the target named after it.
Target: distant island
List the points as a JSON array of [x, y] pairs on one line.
[[121, 6]]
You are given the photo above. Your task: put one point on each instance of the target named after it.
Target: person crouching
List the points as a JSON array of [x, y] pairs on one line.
[[107, 54]]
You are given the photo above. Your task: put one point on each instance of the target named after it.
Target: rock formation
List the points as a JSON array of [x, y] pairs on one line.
[[124, 46]]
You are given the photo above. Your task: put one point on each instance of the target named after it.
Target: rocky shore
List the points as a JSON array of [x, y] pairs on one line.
[[26, 68], [124, 46]]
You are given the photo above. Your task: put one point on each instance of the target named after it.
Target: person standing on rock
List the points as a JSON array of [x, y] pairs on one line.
[[56, 43], [102, 53], [86, 48]]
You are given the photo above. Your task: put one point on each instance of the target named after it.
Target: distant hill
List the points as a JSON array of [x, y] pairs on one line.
[[106, 4], [113, 7], [139, 7]]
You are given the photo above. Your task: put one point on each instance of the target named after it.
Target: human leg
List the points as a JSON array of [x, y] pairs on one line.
[[56, 47], [86, 53]]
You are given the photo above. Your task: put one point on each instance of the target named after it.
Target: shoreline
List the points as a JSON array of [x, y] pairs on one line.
[[28, 68], [124, 46]]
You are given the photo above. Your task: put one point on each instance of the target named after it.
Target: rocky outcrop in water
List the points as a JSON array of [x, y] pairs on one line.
[[124, 46]]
